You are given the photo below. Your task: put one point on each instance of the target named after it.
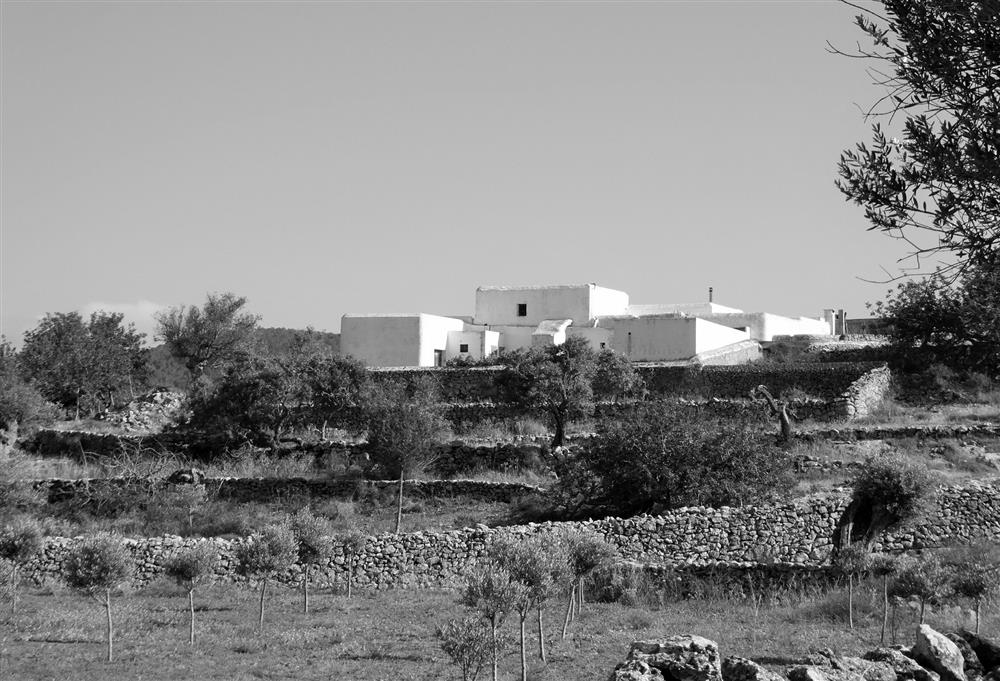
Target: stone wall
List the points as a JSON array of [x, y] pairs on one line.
[[798, 533]]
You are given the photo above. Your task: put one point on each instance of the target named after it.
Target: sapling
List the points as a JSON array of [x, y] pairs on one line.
[[587, 552], [353, 544], [468, 643], [96, 566], [494, 594], [884, 566], [314, 546], [20, 541], [191, 567], [925, 579], [975, 580], [264, 555], [852, 561]]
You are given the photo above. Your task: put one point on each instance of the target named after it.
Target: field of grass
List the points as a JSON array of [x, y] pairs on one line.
[[58, 634]]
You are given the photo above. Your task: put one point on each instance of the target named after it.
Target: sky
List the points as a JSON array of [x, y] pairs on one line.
[[322, 158]]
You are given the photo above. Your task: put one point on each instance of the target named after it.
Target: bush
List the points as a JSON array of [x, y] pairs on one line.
[[889, 490], [468, 643]]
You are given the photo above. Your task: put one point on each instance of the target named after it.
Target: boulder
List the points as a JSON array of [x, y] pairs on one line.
[[742, 669], [873, 671], [808, 672], [906, 668], [680, 658], [635, 670], [973, 667], [187, 476], [935, 651], [987, 651]]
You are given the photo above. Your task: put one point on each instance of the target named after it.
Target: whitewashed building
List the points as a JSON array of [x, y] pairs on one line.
[[511, 317]]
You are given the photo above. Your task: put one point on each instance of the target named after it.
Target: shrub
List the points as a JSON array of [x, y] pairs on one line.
[[20, 541], [97, 566], [190, 567], [263, 555], [891, 490], [468, 643], [494, 594]]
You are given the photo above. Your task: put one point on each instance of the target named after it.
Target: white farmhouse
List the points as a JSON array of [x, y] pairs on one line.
[[511, 317]]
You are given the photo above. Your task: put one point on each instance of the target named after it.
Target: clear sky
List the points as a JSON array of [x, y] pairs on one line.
[[331, 157]]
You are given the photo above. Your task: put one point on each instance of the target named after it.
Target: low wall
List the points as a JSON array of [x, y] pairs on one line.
[[893, 432], [797, 533]]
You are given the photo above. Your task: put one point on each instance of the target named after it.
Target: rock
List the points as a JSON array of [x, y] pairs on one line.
[[635, 670], [680, 658], [906, 669], [742, 669], [934, 650], [973, 666], [869, 670], [187, 476], [809, 673], [987, 651], [873, 671]]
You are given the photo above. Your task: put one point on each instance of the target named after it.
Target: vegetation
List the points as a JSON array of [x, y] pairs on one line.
[[20, 541], [97, 566], [936, 61], [84, 365], [889, 490], [22, 405], [206, 337], [264, 555], [353, 543], [315, 544], [190, 568], [493, 593]]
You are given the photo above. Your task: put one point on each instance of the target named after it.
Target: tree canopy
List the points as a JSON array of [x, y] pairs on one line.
[[936, 186], [205, 337]]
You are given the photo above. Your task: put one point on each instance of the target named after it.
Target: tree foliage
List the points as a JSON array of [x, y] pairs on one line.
[[662, 455], [937, 186], [266, 553], [205, 337], [192, 567], [83, 364], [96, 566], [889, 490], [21, 403]]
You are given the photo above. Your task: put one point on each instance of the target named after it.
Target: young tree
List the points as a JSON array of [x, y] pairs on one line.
[[315, 546], [353, 544], [404, 429], [263, 556], [205, 337], [71, 360], [192, 567], [885, 566], [975, 580], [494, 594], [22, 406], [616, 379], [467, 642], [852, 561], [925, 579], [937, 61], [892, 490], [554, 381], [587, 552], [97, 566], [20, 541]]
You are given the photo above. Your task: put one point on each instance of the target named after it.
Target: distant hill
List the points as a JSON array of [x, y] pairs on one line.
[[168, 372]]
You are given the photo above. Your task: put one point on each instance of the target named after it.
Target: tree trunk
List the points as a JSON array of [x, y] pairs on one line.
[[260, 615], [922, 611], [979, 603], [850, 601], [305, 588], [569, 609], [13, 589], [580, 592], [524, 654], [560, 436], [885, 608], [399, 502], [350, 575], [191, 608], [493, 630], [111, 630], [541, 636]]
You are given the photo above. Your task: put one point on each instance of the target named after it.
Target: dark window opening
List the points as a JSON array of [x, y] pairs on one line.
[[463, 347], [603, 345], [522, 309]]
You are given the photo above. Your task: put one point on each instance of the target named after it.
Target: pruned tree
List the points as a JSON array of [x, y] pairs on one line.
[[884, 566], [315, 544], [494, 594], [192, 567], [263, 556], [353, 544], [888, 490], [20, 541], [852, 561], [205, 337], [404, 428], [923, 578], [587, 552], [468, 643], [97, 566], [936, 186]]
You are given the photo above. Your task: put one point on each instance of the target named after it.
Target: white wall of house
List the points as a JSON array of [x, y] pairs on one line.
[[595, 335], [550, 332], [710, 336], [499, 306], [764, 326], [479, 343], [653, 338], [396, 340], [514, 337]]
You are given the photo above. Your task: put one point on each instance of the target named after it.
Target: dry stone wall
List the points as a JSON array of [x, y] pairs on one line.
[[798, 534]]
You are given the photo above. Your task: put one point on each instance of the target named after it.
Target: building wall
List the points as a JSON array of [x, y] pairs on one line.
[[498, 306], [710, 336], [382, 340], [764, 326], [514, 337], [481, 342], [434, 336], [653, 339], [594, 335]]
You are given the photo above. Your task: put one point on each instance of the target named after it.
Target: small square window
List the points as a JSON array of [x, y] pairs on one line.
[[522, 309], [463, 347]]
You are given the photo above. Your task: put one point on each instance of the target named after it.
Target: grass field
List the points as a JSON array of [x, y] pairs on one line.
[[390, 634]]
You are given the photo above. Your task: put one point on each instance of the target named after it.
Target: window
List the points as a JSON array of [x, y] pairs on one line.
[[463, 347], [522, 309], [603, 345]]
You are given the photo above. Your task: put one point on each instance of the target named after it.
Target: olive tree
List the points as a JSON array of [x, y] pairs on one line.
[[205, 337], [315, 545], [353, 543], [468, 643], [889, 490], [191, 567], [263, 556], [852, 561], [96, 566], [587, 552], [494, 593], [20, 541]]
